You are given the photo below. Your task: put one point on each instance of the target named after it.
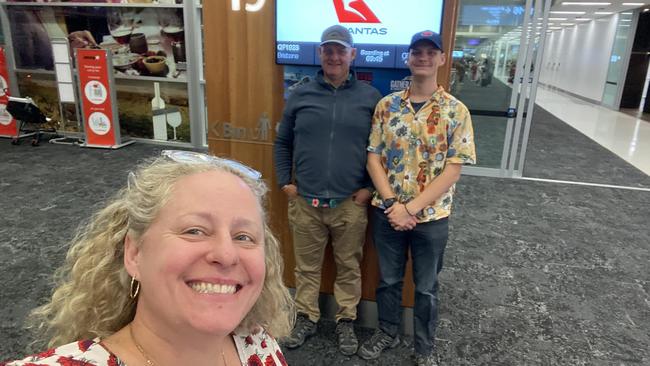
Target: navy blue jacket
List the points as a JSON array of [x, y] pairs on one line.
[[323, 135]]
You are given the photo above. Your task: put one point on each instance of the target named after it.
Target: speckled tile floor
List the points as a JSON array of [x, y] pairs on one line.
[[535, 273]]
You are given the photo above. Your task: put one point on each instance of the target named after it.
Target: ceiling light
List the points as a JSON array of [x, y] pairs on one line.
[[603, 12], [567, 24], [582, 19], [586, 3], [626, 13], [633, 4], [568, 12], [626, 20], [557, 18], [644, 10]]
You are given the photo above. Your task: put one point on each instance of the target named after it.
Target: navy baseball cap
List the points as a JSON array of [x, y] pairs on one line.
[[427, 35], [337, 34]]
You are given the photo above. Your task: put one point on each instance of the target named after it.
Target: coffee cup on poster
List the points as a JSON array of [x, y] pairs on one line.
[[155, 65], [138, 43]]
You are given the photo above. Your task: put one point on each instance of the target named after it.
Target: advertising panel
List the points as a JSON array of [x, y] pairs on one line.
[[8, 126], [94, 82], [142, 41], [385, 80]]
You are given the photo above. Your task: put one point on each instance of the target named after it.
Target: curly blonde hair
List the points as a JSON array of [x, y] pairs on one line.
[[91, 296]]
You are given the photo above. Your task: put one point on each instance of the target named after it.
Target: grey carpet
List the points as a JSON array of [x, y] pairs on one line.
[[535, 273]]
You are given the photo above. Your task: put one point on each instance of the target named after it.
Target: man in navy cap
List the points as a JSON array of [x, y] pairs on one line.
[[419, 141], [320, 161]]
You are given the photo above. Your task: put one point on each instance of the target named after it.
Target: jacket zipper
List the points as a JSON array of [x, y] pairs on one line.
[[329, 155]]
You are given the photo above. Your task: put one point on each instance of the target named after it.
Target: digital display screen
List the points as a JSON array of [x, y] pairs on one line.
[[510, 15], [381, 29]]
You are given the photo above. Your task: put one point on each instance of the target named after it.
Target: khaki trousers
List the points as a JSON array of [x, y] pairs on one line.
[[311, 228]]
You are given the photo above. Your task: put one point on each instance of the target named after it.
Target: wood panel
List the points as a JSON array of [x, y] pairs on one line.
[[244, 86], [449, 20]]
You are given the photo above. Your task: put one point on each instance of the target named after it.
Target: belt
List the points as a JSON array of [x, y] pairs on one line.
[[323, 202]]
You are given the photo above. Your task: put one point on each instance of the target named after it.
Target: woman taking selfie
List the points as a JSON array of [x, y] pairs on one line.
[[180, 268]]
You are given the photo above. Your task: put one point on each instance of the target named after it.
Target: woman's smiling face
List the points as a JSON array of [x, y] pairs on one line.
[[201, 262]]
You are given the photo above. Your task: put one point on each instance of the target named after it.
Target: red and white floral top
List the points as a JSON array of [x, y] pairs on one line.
[[258, 349]]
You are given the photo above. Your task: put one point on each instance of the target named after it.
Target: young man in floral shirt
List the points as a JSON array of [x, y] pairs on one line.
[[419, 141]]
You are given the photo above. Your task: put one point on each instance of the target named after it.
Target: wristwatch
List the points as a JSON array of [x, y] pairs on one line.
[[388, 202]]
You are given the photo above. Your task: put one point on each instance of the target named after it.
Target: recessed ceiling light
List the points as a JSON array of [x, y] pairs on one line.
[[586, 3], [626, 20], [567, 24], [644, 10], [568, 12], [633, 4], [557, 18], [603, 12]]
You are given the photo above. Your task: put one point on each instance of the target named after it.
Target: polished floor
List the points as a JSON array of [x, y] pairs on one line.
[[626, 136], [645, 116]]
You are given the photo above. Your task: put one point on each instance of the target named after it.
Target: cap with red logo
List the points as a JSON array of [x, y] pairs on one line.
[[427, 35], [336, 34]]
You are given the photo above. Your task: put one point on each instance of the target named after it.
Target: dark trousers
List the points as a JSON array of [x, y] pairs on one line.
[[427, 242]]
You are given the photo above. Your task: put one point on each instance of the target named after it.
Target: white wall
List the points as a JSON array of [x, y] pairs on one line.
[[576, 59]]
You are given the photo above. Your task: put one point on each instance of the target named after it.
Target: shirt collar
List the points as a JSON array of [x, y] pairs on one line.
[[352, 76], [406, 93]]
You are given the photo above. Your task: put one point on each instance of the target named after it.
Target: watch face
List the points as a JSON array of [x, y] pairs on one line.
[[389, 202]]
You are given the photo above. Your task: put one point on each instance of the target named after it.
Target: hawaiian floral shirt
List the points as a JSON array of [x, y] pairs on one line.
[[259, 349], [415, 147]]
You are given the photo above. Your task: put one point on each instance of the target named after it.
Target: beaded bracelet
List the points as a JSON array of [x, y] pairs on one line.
[[407, 210]]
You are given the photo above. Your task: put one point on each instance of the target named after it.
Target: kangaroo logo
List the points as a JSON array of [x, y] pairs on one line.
[[354, 11]]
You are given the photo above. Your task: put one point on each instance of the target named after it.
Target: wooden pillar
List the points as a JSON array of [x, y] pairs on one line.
[[245, 100], [244, 89]]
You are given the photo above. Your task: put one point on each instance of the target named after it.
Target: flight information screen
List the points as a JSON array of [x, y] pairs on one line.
[[381, 29]]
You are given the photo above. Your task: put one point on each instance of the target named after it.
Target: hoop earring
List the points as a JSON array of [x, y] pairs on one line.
[[135, 288]]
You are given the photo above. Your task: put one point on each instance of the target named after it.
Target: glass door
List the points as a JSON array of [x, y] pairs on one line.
[[494, 47]]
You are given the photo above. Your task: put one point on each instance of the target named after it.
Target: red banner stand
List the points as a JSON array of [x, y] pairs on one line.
[[97, 90], [8, 125]]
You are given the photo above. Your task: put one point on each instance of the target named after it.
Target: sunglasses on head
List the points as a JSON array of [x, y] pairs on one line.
[[189, 157]]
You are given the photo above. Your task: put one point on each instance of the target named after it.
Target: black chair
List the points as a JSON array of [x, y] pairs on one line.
[[30, 119]]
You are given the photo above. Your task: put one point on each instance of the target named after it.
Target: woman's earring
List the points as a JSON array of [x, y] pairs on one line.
[[135, 288]]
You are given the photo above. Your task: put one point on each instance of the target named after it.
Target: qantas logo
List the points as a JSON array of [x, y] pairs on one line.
[[354, 11]]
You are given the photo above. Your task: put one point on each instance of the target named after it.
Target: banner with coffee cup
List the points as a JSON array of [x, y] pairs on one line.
[[142, 41]]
